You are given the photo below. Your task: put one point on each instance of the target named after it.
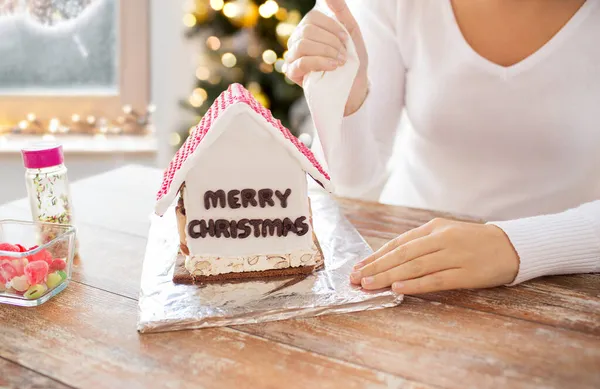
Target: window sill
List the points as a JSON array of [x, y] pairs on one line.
[[84, 144]]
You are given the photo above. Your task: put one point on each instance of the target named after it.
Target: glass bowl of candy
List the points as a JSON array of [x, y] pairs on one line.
[[35, 261]]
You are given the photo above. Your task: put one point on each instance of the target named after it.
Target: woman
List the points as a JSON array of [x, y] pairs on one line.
[[503, 97]]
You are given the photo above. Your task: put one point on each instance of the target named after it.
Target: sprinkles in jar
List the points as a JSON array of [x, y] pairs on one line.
[[47, 185]]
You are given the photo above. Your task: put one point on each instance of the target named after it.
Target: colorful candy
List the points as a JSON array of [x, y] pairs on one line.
[[36, 272], [8, 247], [19, 265], [32, 276], [35, 291], [42, 255], [53, 280], [20, 283], [7, 271], [58, 264]]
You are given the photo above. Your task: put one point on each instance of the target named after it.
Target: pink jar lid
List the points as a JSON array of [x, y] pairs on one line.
[[42, 155]]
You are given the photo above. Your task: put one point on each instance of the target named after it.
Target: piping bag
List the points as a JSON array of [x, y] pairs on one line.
[[327, 93]]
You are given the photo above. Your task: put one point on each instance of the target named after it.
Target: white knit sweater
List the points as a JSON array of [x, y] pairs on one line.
[[519, 144]]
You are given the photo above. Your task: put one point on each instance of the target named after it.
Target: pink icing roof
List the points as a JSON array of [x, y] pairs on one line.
[[236, 93]]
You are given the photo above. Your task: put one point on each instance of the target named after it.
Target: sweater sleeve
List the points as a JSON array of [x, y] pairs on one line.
[[357, 157], [562, 243]]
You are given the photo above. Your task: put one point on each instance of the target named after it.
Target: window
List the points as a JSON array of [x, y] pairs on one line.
[[66, 57]]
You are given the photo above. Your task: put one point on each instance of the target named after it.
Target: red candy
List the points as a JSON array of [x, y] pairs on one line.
[[9, 247], [58, 264], [43, 255], [35, 268], [19, 265], [7, 271], [36, 272]]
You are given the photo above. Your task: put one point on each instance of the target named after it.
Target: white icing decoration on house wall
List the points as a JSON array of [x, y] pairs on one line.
[[243, 155]]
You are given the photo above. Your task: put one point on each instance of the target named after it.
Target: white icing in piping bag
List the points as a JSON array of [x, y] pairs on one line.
[[327, 93]]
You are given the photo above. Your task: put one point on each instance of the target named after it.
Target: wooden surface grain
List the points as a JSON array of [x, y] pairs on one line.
[[545, 333], [14, 375]]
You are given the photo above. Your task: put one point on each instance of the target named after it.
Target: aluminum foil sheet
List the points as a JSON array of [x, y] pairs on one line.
[[165, 306]]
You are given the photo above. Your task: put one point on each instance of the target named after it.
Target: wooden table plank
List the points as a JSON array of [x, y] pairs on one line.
[[86, 337], [537, 301], [448, 346], [15, 376]]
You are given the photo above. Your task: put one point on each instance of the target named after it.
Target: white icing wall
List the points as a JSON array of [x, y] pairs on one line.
[[246, 156]]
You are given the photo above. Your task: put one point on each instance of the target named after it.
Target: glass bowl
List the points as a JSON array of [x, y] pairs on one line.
[[35, 261]]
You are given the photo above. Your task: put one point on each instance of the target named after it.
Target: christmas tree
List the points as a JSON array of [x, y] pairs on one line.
[[244, 41]]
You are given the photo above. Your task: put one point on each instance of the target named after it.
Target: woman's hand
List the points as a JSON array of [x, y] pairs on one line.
[[318, 44], [441, 255]]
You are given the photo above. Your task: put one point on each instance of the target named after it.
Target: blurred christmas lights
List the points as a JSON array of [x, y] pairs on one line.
[[228, 60], [268, 9], [133, 123]]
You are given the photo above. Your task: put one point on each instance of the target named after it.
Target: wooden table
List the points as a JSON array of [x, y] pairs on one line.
[[545, 333]]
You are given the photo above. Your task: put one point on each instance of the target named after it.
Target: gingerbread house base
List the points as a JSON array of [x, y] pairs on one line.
[[183, 276], [284, 266]]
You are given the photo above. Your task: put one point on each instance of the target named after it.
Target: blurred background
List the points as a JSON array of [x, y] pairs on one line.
[[122, 81]]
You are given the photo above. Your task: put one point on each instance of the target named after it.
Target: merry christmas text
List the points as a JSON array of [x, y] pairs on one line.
[[244, 228]]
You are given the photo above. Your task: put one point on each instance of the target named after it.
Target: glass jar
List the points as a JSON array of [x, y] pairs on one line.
[[47, 185], [30, 272]]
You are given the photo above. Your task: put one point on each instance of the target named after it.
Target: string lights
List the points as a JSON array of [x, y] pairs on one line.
[[132, 123]]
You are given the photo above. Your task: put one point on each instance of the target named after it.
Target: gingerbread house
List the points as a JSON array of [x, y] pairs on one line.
[[243, 208]]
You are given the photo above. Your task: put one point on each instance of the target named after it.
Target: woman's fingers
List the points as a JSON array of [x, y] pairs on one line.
[[302, 66], [343, 14], [323, 21], [422, 266], [443, 280], [317, 33], [309, 48], [393, 244], [402, 254], [317, 44]]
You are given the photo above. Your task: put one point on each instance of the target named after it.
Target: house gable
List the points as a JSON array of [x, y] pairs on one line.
[[228, 168], [215, 121]]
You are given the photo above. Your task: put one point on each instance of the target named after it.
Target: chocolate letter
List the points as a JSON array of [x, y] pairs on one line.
[[233, 228], [232, 199], [256, 223], [204, 228], [288, 225], [265, 196], [214, 197], [283, 197], [207, 228], [271, 225], [248, 197], [243, 225], [301, 226], [222, 227], [191, 225]]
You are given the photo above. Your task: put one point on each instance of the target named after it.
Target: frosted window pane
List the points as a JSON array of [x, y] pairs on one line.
[[65, 47]]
